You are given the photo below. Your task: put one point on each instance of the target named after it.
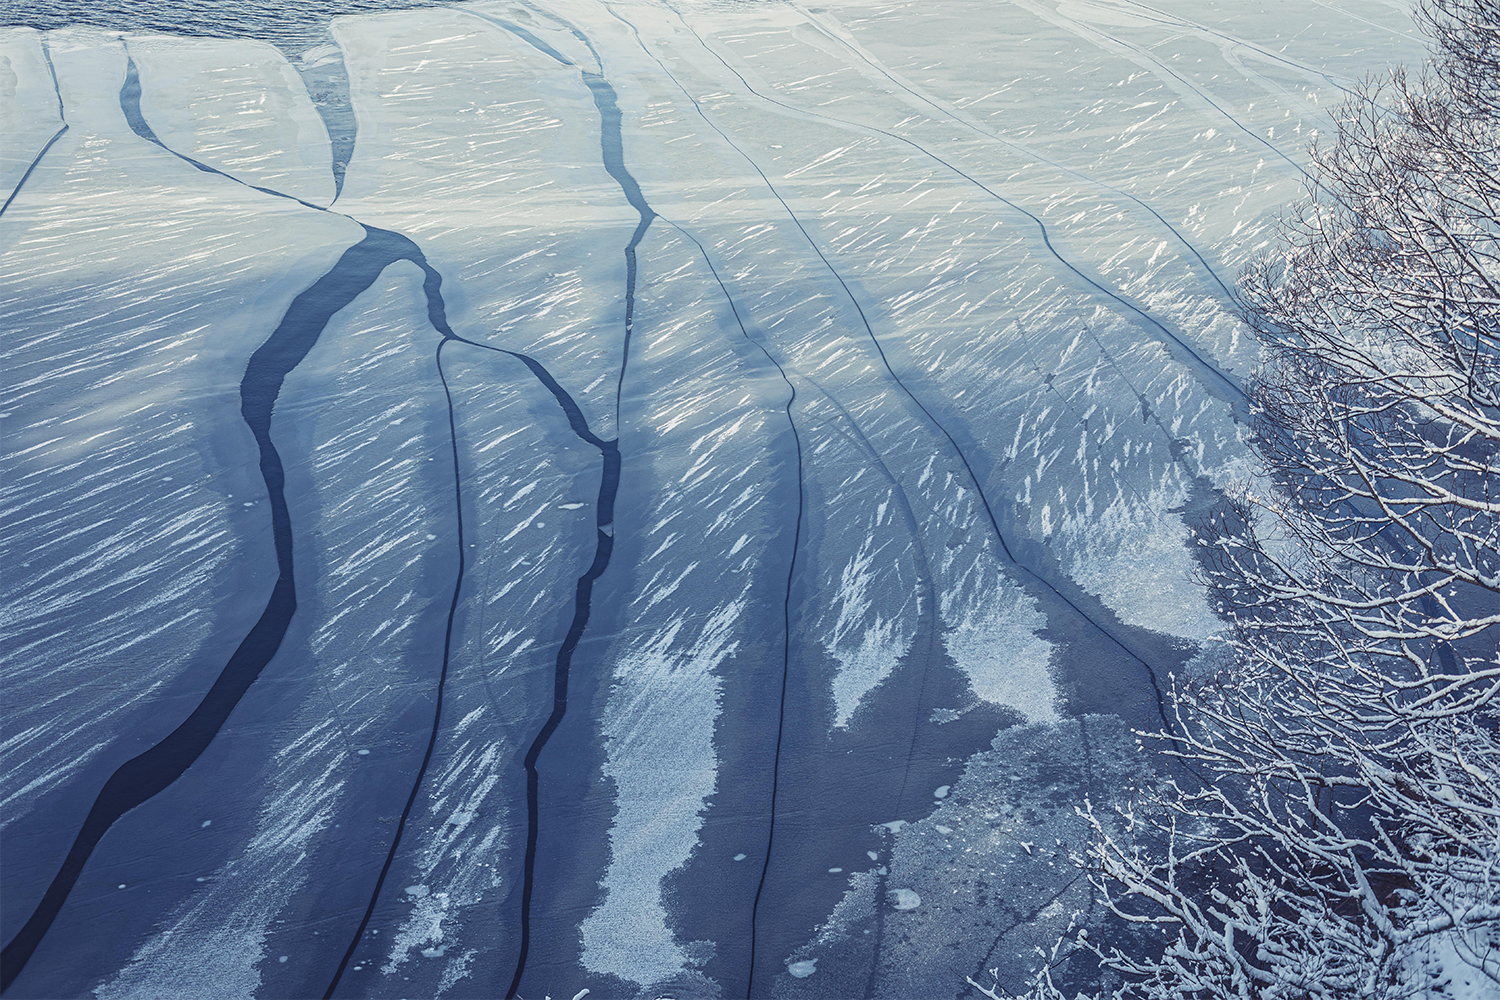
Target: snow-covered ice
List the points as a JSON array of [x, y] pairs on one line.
[[754, 505]]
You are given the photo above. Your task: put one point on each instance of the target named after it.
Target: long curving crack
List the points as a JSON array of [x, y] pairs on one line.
[[951, 115], [786, 607], [57, 88], [144, 776], [612, 155], [1033, 573], [1209, 375]]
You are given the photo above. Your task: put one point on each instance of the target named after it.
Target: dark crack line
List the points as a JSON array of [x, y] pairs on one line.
[[1209, 375], [612, 148], [605, 514], [582, 604], [1201, 93], [567, 26], [1025, 150], [437, 712], [612, 155], [52, 71], [130, 104], [57, 88], [928, 624], [1032, 574], [786, 607], [526, 36], [142, 777], [27, 175], [926, 616]]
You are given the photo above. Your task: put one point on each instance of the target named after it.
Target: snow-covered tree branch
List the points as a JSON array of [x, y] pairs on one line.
[[1336, 831]]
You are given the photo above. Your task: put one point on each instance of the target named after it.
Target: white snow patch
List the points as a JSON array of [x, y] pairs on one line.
[[658, 726], [905, 899], [867, 647], [998, 648]]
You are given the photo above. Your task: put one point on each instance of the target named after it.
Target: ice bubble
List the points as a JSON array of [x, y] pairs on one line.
[[941, 792], [804, 968], [739, 857]]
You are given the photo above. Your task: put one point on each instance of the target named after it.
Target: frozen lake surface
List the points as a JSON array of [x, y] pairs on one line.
[[673, 499]]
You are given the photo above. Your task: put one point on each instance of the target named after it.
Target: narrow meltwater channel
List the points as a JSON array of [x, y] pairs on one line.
[[47, 55], [1064, 592], [147, 774], [612, 155], [144, 776]]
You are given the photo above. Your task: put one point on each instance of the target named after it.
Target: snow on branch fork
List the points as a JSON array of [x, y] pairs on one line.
[[1335, 828]]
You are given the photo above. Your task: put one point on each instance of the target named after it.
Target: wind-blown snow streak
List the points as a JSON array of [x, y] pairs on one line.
[[1025, 569], [144, 776], [612, 154], [1212, 378]]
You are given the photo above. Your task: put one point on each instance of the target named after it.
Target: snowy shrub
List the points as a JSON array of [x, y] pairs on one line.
[[1333, 828]]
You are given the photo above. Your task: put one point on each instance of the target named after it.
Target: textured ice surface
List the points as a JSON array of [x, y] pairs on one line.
[[931, 370], [29, 105], [236, 106]]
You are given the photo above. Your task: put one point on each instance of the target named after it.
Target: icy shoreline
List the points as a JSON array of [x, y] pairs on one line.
[[930, 367]]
